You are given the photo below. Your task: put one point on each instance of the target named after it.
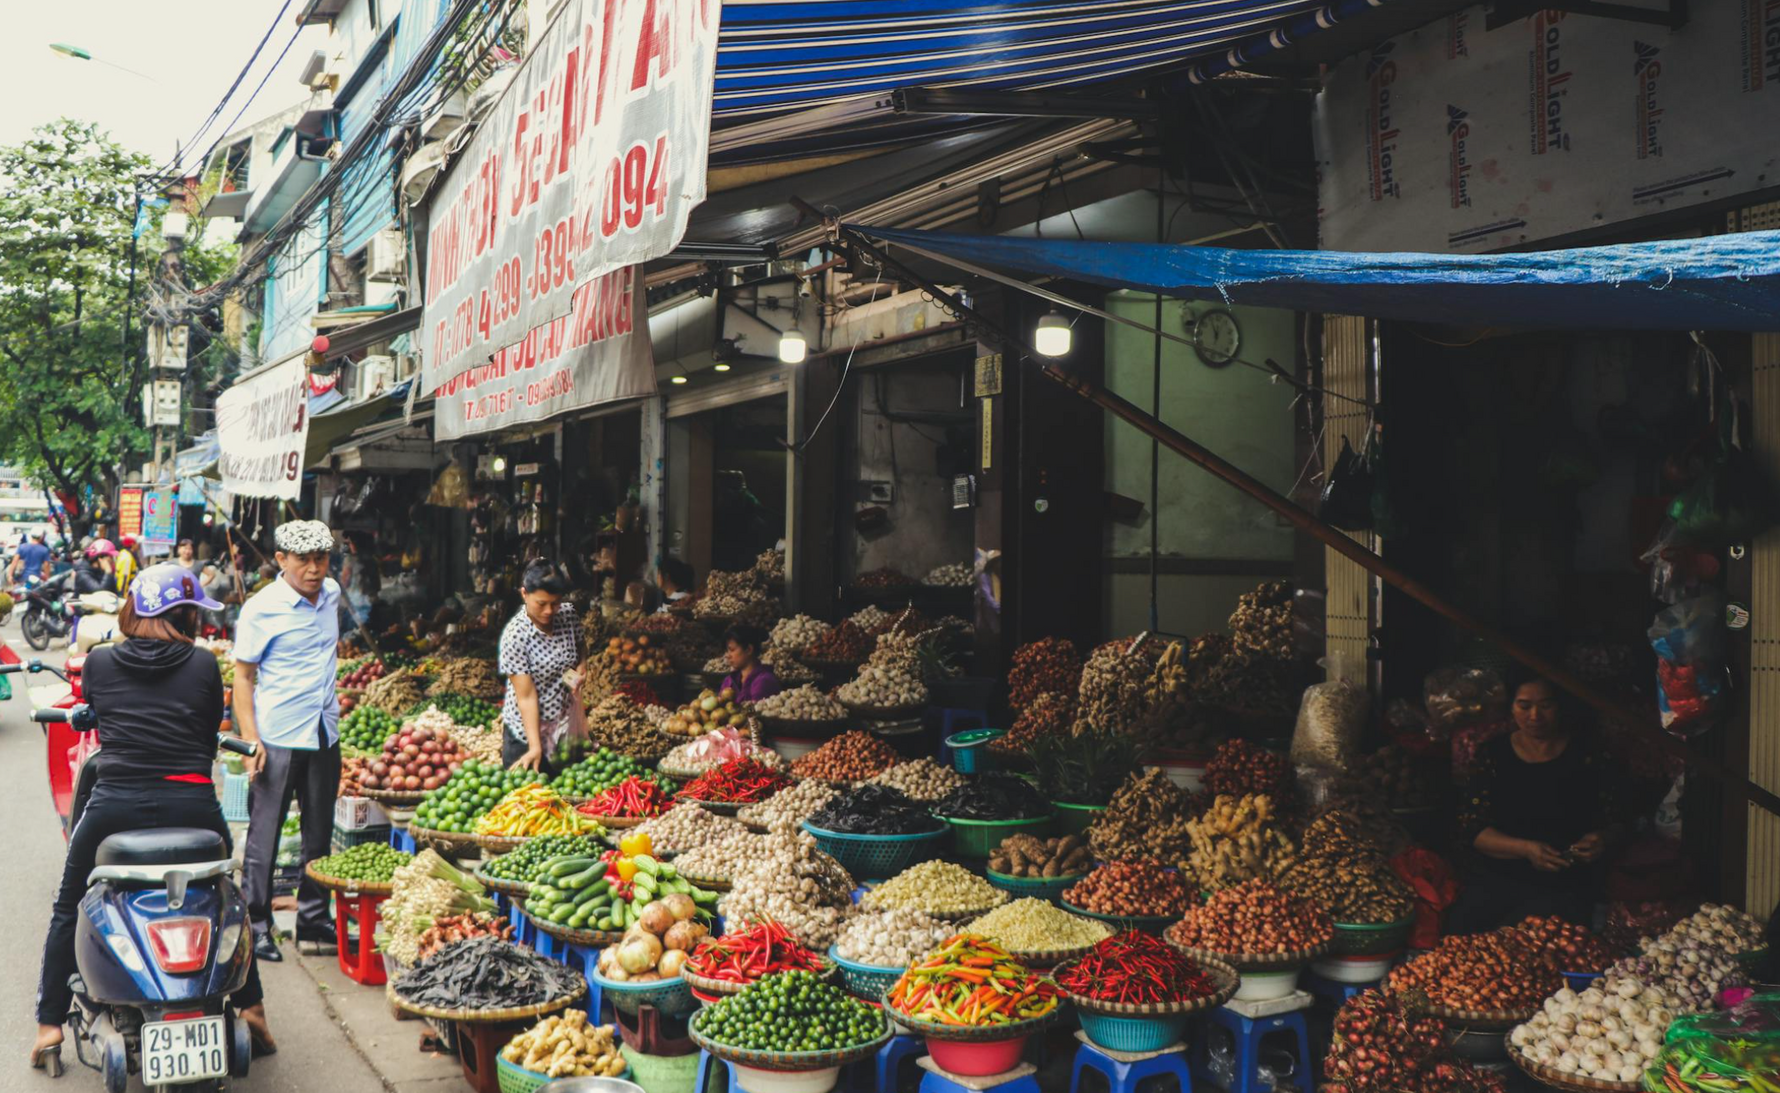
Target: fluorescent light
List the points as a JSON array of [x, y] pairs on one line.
[[678, 379], [720, 366], [1052, 337], [792, 347]]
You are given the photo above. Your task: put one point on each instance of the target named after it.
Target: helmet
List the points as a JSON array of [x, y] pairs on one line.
[[101, 548], [40, 534], [165, 586], [128, 542]]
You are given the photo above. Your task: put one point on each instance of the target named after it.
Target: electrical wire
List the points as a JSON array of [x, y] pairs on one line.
[[797, 449], [223, 103]]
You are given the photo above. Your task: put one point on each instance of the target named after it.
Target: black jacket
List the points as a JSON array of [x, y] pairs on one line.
[[159, 703], [89, 578]]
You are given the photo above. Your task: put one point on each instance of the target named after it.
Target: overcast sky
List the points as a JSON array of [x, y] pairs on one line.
[[191, 53]]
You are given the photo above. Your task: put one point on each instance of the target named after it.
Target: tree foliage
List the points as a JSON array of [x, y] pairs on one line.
[[69, 392]]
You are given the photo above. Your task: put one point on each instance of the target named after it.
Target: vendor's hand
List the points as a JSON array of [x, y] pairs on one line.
[[531, 760], [1544, 857], [1590, 847]]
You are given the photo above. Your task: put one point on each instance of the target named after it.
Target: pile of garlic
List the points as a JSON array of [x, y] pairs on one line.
[[795, 884], [887, 688], [1610, 1032]]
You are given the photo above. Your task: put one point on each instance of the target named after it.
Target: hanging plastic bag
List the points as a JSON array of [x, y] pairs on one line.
[[1689, 640], [1436, 888], [1459, 697], [1346, 500], [1332, 717], [1730, 503]]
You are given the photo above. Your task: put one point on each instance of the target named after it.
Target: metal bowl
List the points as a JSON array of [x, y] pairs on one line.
[[590, 1085]]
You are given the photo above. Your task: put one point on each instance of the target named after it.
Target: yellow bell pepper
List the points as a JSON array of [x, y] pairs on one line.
[[637, 842], [627, 868]]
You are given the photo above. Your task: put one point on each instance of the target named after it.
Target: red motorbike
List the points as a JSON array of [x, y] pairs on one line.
[[66, 750]]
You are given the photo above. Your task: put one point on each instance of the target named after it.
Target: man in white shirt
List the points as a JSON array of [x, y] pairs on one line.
[[285, 644]]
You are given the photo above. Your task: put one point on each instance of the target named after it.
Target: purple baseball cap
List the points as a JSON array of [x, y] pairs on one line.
[[163, 587]]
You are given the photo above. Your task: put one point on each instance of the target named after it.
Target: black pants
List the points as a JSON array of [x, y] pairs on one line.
[[311, 777], [115, 807], [512, 750], [1497, 894]]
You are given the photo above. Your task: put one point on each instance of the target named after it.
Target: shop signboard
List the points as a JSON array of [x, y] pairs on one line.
[[1454, 139], [159, 518], [129, 511], [589, 164], [262, 425]]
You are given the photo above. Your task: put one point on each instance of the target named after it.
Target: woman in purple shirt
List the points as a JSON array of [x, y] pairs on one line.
[[749, 679]]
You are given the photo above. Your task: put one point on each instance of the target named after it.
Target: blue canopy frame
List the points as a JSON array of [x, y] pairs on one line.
[[1719, 282]]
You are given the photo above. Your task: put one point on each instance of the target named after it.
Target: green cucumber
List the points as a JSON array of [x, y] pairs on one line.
[[562, 867], [584, 878], [590, 894]]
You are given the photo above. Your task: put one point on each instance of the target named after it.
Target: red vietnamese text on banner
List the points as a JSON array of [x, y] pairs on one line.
[[262, 426], [589, 165], [129, 511]]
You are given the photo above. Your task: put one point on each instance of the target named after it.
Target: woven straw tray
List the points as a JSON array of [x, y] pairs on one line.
[[1222, 975], [979, 1034], [1483, 1020], [518, 1013], [799, 729], [1248, 962], [396, 797], [341, 884], [1557, 1079], [707, 985], [786, 1060], [505, 887], [573, 936]]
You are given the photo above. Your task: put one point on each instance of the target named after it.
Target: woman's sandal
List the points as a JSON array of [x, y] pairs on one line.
[[48, 1059]]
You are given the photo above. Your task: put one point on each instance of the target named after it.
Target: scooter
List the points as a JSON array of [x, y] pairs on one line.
[[46, 612], [95, 621], [162, 941]]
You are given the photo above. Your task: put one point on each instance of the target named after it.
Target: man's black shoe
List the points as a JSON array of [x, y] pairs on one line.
[[265, 947]]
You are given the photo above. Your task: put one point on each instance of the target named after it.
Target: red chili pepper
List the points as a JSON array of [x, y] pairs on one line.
[[1136, 967], [763, 948], [739, 781]]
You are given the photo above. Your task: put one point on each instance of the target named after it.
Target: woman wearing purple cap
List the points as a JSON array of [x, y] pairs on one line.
[[159, 701]]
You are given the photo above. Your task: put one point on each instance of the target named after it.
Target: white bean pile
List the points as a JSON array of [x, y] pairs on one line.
[[686, 827], [787, 808], [891, 939], [921, 779], [804, 703]]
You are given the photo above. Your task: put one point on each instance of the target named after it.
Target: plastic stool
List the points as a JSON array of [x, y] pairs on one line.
[[1333, 990], [702, 1083], [479, 1045], [1124, 1077], [1248, 1032], [585, 960], [523, 930], [1024, 1080], [401, 840], [548, 947], [362, 963], [879, 1073]]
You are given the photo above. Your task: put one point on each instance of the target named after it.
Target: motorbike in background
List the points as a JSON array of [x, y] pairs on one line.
[[161, 942], [47, 615], [95, 621]]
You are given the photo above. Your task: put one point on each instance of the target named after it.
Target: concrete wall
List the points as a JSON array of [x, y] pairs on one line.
[[924, 530], [1214, 543]]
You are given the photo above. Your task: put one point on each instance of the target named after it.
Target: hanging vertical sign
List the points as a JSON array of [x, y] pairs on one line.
[[129, 511], [159, 508], [589, 165], [262, 427]]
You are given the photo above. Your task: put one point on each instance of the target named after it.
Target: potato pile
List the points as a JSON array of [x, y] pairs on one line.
[[1237, 840], [566, 1046], [710, 710], [1031, 856], [1147, 818]]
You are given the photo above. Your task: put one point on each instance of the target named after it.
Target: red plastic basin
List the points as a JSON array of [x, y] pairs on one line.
[[977, 1060]]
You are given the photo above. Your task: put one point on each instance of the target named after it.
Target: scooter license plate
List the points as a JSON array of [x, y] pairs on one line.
[[174, 1052]]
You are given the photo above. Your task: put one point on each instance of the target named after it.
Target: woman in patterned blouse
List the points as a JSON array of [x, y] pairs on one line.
[[1536, 816]]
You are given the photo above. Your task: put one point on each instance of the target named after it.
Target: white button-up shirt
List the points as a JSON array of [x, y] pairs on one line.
[[293, 642]]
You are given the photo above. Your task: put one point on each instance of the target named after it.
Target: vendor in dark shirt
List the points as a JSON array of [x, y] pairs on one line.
[[1536, 817]]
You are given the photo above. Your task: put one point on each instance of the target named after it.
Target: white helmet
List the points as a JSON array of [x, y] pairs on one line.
[[40, 534]]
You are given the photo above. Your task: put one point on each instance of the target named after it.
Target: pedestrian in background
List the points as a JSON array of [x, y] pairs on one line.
[[284, 698]]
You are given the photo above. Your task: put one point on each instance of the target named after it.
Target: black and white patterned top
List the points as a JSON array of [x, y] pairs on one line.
[[526, 650]]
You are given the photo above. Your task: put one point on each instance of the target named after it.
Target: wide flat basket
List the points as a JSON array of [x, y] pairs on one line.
[[398, 797], [1248, 962], [720, 808], [518, 889], [343, 884], [799, 729], [877, 856], [1223, 977], [1050, 888], [516, 1079], [786, 1060], [978, 1034], [442, 840], [1476, 1020], [1370, 939], [709, 884], [706, 985], [884, 713], [518, 1013], [1557, 1079], [589, 938], [671, 996], [1149, 924], [868, 981]]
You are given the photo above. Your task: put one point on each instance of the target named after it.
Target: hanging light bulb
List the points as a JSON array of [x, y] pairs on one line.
[[792, 347], [678, 379], [1052, 337], [498, 464]]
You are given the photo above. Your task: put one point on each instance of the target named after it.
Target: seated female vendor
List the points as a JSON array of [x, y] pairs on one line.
[[1536, 816]]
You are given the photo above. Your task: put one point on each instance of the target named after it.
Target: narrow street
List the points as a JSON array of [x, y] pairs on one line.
[[328, 1028]]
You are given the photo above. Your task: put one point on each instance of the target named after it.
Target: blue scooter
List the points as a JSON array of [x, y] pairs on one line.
[[161, 942]]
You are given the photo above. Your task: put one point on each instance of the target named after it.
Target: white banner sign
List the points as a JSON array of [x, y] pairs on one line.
[[262, 425], [590, 164], [1453, 138]]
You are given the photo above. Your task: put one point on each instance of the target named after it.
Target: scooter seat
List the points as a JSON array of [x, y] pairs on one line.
[[162, 846]]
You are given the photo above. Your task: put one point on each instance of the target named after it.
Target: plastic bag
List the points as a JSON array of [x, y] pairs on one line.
[[1730, 503], [1457, 697], [1346, 500], [1331, 721], [1436, 888], [1689, 639], [451, 489], [1732, 1049]]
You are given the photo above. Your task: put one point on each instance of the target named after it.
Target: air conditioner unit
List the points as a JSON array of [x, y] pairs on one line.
[[446, 118], [375, 375], [386, 257]]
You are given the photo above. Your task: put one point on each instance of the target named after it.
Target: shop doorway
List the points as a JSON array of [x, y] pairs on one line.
[[727, 497]]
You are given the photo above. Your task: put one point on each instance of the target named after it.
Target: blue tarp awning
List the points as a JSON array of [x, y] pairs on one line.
[[1719, 282]]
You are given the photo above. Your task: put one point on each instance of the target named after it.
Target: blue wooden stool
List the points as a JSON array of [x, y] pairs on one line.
[[546, 946], [1248, 1034], [1333, 990], [1124, 1077], [935, 1081], [585, 960], [701, 1083]]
